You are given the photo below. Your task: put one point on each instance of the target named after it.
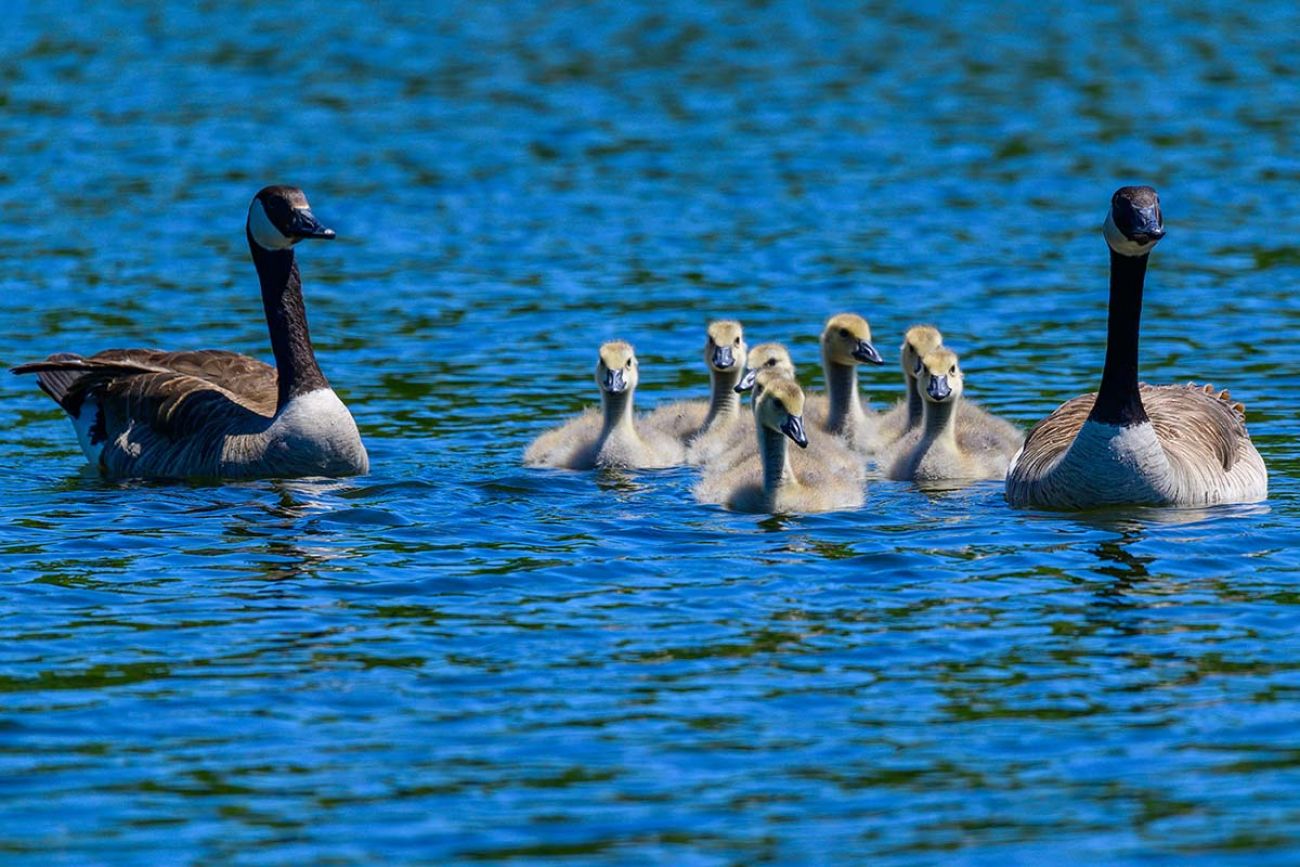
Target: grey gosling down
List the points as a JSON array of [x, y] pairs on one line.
[[704, 426], [146, 413], [1131, 443], [846, 343], [938, 450], [613, 437], [773, 480]]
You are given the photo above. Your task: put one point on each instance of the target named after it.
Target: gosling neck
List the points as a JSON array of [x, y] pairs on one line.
[[286, 318], [616, 412], [724, 402], [937, 421], [845, 404], [773, 450], [1119, 402], [915, 403]]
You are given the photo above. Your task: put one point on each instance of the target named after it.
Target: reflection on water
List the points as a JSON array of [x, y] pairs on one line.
[[460, 658]]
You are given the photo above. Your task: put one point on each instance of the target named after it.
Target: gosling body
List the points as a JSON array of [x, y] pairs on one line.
[[612, 437]]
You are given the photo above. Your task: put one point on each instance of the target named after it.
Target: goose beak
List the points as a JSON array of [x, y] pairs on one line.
[[722, 357], [865, 352], [304, 224], [746, 381], [938, 387], [615, 382], [1147, 226], [793, 428]]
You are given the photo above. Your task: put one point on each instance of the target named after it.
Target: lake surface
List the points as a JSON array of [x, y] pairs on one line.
[[458, 659]]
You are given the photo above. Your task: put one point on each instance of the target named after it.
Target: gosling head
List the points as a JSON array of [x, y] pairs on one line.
[[779, 406], [918, 342], [1134, 224], [724, 351], [279, 217], [616, 371], [846, 339], [765, 357], [940, 379]]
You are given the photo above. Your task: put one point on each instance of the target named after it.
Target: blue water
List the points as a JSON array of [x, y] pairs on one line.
[[458, 659]]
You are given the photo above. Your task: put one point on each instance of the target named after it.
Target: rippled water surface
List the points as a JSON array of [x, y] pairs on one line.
[[458, 658]]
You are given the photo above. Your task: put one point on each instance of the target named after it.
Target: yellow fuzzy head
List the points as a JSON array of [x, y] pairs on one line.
[[918, 342], [778, 406], [725, 350], [846, 339], [616, 371], [940, 378], [766, 357]]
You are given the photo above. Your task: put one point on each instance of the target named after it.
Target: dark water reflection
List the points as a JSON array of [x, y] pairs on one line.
[[456, 658]]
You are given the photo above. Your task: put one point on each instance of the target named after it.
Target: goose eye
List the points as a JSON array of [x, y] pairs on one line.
[[917, 368], [629, 362], [771, 362], [844, 332], [952, 369], [737, 341]]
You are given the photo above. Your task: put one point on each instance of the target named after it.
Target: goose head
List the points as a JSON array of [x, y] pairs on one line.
[[918, 342], [765, 357], [940, 378], [279, 217], [725, 351], [1134, 223], [616, 371], [846, 339], [778, 406]]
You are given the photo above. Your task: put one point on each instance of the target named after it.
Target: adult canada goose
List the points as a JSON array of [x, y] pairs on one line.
[[774, 480], [938, 449], [846, 343], [612, 438], [704, 426], [1129, 443], [146, 413]]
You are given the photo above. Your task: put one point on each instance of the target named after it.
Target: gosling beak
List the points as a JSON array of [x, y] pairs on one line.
[[793, 428], [865, 352], [722, 357], [303, 224], [615, 382], [938, 387], [746, 381]]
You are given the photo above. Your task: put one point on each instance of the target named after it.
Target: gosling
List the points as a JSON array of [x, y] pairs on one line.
[[612, 437], [938, 449], [774, 480], [846, 343], [705, 427]]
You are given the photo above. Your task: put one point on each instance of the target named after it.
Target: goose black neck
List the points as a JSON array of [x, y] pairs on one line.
[[286, 319], [1118, 400]]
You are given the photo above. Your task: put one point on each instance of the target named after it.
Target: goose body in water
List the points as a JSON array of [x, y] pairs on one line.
[[1131, 443], [146, 413], [774, 480], [612, 437], [938, 449]]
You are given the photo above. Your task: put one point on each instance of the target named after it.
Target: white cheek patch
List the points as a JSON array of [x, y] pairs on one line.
[[264, 231], [1120, 244]]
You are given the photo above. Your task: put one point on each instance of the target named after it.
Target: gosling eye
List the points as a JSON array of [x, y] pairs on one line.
[[771, 362], [737, 341], [844, 332], [917, 368], [629, 362], [952, 370]]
